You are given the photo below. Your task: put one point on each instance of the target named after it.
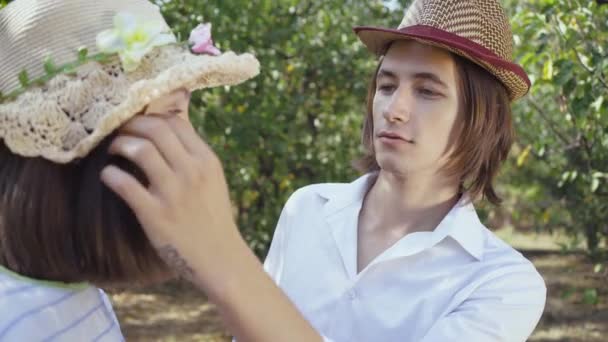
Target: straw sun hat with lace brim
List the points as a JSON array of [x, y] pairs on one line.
[[72, 71], [477, 30]]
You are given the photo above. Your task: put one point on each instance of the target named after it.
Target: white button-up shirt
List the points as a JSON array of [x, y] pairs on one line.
[[457, 283]]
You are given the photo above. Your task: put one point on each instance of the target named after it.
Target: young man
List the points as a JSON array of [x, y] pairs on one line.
[[399, 254]]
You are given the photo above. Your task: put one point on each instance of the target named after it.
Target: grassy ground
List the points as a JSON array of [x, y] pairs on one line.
[[576, 311]]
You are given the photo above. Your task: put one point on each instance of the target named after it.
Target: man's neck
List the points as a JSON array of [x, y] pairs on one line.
[[404, 204]]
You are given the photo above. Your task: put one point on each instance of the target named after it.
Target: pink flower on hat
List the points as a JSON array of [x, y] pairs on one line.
[[201, 40]]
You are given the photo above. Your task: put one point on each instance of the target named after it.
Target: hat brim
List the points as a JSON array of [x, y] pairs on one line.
[[172, 68], [513, 76], [192, 72]]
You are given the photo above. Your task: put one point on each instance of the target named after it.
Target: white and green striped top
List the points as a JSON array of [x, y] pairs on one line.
[[33, 310]]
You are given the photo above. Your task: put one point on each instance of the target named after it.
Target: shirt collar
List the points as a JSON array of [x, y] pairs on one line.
[[341, 195], [461, 223]]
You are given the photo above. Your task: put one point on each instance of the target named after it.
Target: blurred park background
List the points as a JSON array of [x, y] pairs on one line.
[[299, 123]]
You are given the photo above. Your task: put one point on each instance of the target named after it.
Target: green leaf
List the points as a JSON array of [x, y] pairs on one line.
[[24, 79], [595, 183], [548, 70], [573, 175], [598, 174], [101, 57], [590, 297], [567, 293], [83, 52], [69, 69], [564, 73], [49, 65], [521, 159], [597, 104]]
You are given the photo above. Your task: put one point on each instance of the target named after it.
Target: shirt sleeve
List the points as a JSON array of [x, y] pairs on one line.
[[274, 262], [504, 309]]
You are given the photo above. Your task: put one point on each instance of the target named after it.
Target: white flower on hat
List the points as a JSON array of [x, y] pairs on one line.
[[132, 39]]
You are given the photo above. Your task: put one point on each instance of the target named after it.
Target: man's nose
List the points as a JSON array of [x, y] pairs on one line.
[[398, 109]]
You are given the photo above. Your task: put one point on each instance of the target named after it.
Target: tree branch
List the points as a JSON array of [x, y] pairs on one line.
[[577, 54], [588, 69], [551, 123]]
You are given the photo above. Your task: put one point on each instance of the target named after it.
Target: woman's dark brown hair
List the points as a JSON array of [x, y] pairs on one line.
[[61, 223], [482, 144]]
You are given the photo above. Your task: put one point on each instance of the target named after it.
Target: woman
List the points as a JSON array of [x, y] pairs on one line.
[[400, 253], [72, 73]]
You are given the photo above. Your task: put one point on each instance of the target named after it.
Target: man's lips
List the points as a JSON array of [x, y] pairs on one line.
[[393, 136]]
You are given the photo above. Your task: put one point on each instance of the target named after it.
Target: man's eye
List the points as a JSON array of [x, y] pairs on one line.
[[386, 88], [427, 92]]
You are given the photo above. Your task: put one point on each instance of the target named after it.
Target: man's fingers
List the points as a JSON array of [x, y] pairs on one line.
[[191, 140], [204, 161], [135, 195], [146, 156], [160, 133]]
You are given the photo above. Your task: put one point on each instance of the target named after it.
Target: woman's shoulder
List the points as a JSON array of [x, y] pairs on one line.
[[39, 310]]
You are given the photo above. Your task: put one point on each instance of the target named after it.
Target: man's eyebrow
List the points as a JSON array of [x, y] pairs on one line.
[[431, 77], [418, 75], [386, 73]]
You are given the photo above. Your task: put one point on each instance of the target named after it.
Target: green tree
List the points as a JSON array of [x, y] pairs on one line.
[[560, 168], [299, 121]]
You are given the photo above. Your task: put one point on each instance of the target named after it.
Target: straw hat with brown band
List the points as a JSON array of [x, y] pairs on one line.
[[478, 30]]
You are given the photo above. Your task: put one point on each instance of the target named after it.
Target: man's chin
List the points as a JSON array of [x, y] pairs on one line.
[[393, 165]]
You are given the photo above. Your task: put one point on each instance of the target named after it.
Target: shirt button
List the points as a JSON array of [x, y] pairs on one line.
[[352, 294]]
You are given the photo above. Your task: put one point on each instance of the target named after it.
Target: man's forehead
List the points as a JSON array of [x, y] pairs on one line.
[[412, 48], [411, 57]]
